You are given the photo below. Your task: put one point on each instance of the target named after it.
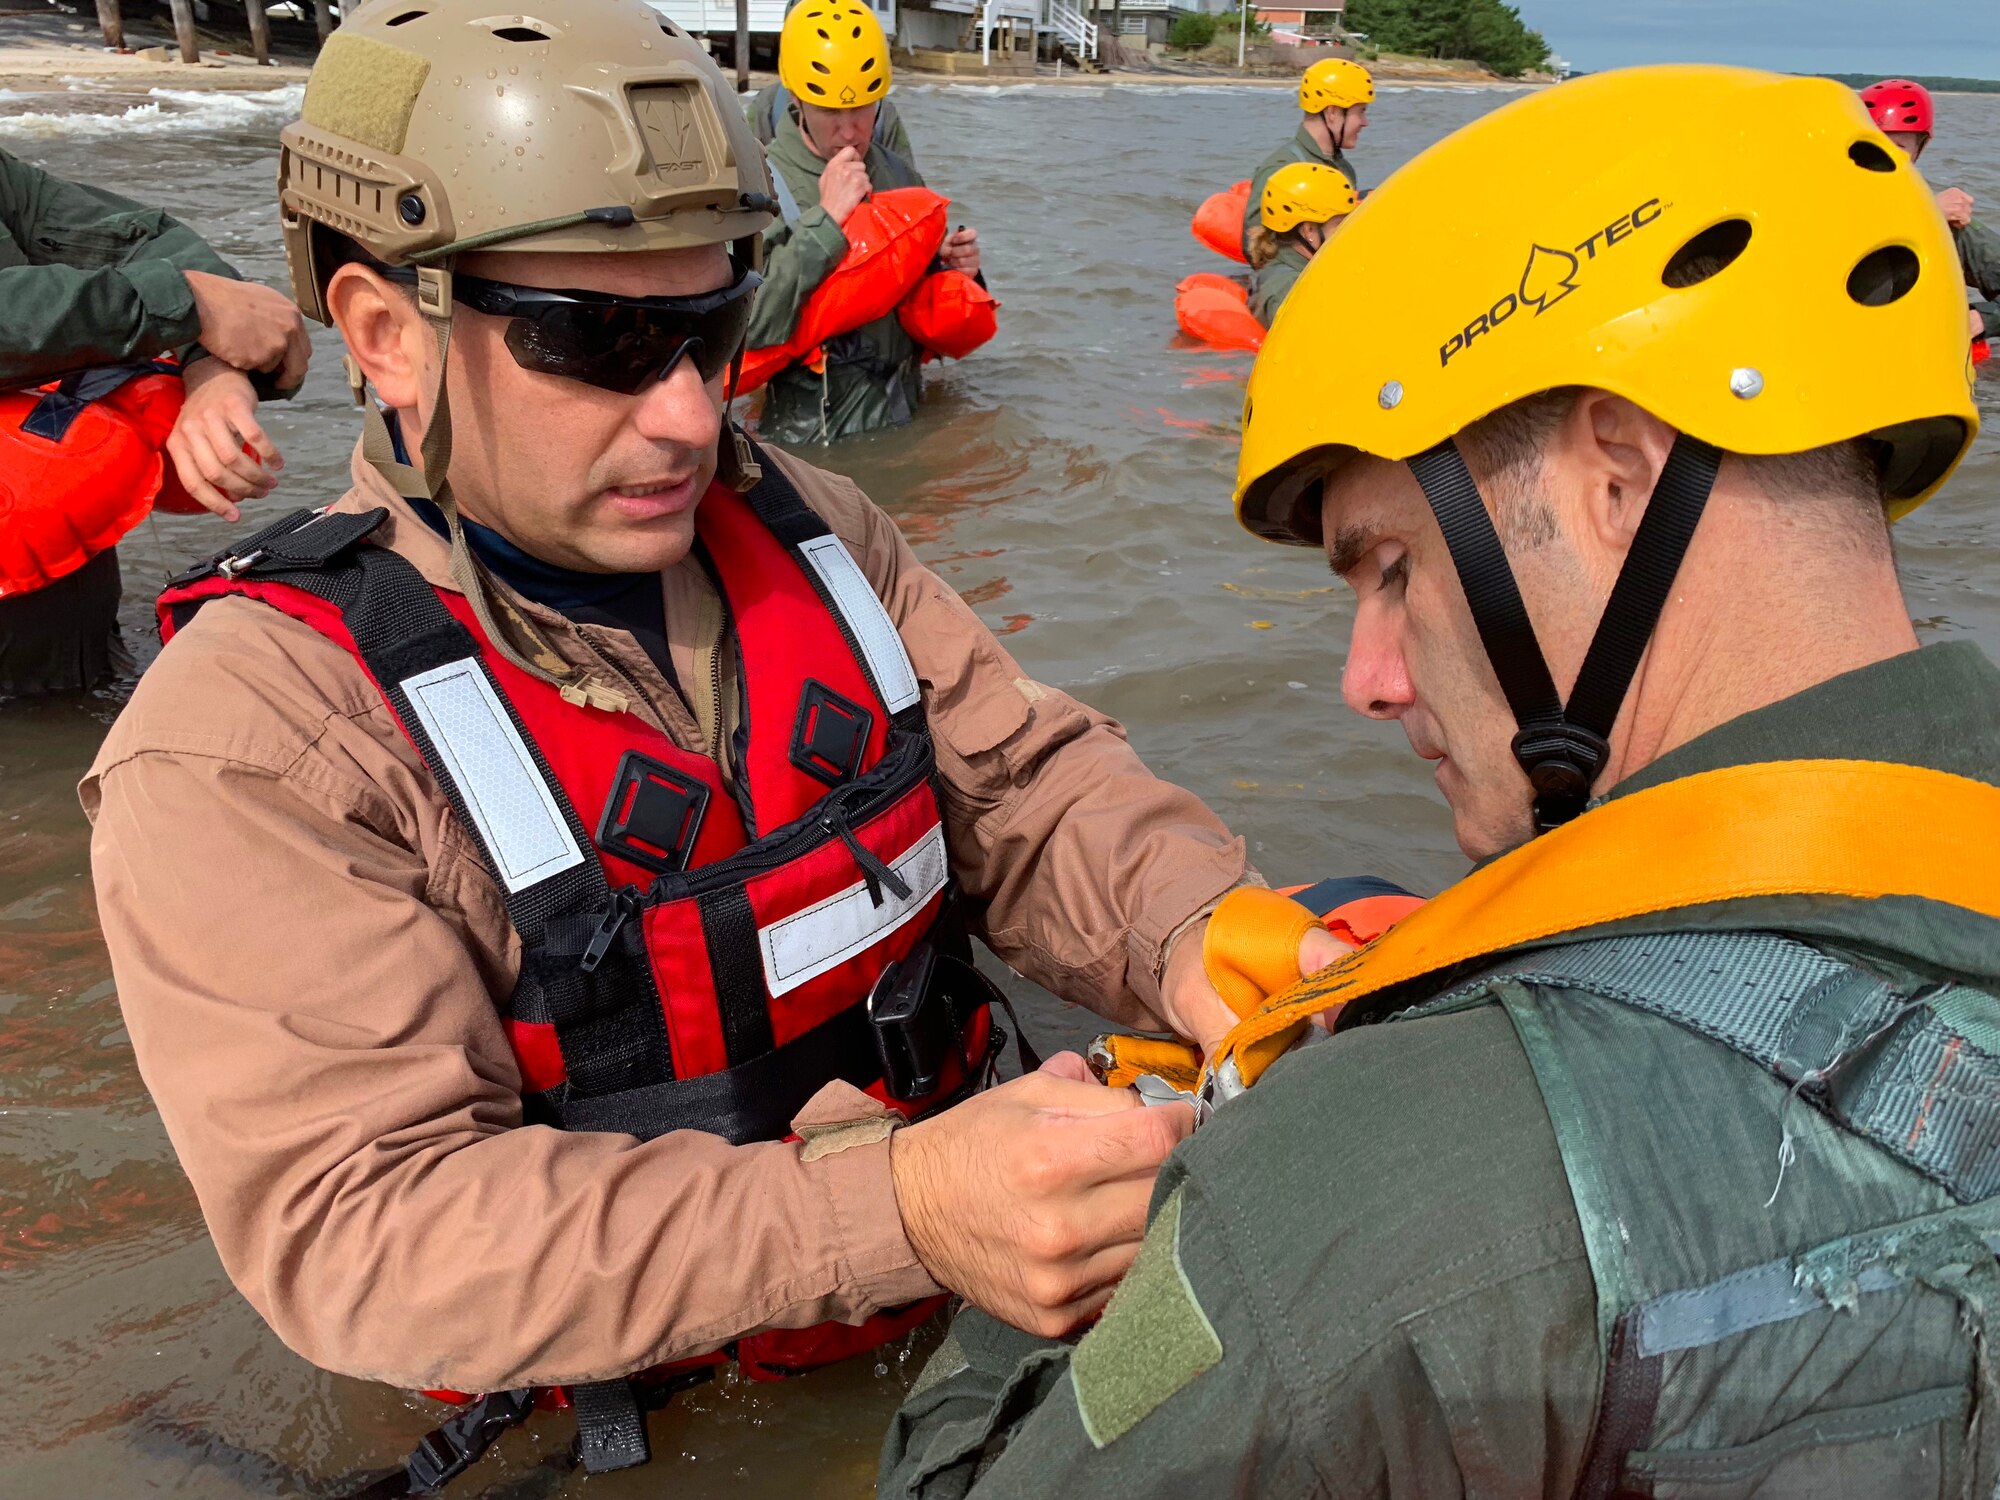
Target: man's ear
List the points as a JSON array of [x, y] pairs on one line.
[[1616, 450], [384, 333]]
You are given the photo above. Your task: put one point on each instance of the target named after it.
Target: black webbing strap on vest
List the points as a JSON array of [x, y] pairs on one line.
[[1564, 747]]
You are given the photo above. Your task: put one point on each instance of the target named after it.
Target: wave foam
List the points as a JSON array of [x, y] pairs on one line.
[[167, 111]]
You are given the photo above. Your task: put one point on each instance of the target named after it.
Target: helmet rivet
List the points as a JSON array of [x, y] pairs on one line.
[[1746, 382], [1391, 395], [411, 207]]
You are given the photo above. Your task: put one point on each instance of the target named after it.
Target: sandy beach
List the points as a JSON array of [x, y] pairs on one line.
[[46, 50]]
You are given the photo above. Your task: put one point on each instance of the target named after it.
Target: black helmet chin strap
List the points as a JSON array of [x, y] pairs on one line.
[[1564, 747]]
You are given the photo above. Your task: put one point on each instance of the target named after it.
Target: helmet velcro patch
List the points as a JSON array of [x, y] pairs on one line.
[[365, 91]]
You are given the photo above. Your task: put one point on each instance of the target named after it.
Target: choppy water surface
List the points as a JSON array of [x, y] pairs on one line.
[[1072, 481]]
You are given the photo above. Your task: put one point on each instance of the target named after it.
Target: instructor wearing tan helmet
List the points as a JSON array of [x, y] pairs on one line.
[[538, 884], [827, 155], [1657, 1156]]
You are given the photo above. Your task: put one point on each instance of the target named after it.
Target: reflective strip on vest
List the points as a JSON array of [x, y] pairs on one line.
[[806, 944], [874, 632], [519, 820]]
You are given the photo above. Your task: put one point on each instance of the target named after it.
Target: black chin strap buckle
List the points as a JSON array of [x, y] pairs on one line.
[[1562, 761]]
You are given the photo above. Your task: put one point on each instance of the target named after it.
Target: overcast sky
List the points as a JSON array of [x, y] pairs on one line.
[[1889, 37]]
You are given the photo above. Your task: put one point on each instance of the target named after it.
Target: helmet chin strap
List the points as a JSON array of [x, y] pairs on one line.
[[1563, 747]]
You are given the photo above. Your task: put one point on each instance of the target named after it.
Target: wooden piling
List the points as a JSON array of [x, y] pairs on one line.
[[260, 30], [184, 31], [111, 21], [323, 18], [742, 46]]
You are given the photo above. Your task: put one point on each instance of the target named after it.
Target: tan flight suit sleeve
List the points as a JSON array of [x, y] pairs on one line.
[[1080, 864], [307, 950]]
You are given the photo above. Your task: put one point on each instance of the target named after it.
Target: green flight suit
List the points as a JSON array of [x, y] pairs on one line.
[[1301, 147], [89, 278], [1979, 256], [1272, 282], [873, 375], [1370, 1277]]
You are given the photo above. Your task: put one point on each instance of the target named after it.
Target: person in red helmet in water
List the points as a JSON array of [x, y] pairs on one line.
[[1904, 112]]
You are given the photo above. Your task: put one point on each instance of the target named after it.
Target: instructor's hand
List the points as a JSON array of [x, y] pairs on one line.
[[250, 326], [1029, 1200], [843, 184], [1196, 1011]]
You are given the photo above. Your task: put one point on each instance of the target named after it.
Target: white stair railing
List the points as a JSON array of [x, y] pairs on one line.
[[1073, 26]]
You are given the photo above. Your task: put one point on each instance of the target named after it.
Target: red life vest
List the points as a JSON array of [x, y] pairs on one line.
[[695, 955], [80, 465]]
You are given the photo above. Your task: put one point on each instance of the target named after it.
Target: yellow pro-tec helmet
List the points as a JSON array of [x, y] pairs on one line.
[[832, 53], [1305, 193], [1740, 253], [1335, 83]]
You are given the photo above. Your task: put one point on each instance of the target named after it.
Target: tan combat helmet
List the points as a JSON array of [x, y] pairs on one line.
[[434, 127]]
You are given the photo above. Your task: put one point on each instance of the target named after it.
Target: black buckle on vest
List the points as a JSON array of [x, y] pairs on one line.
[[653, 814], [830, 734]]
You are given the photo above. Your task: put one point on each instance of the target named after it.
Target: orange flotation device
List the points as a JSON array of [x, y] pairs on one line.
[[1251, 952], [1981, 351], [80, 465], [1216, 310], [892, 238], [949, 315], [1218, 223]]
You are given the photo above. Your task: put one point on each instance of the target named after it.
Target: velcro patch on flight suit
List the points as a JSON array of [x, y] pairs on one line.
[[1153, 1339]]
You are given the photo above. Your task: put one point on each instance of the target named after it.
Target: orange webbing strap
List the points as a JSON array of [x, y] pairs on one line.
[[1860, 829]]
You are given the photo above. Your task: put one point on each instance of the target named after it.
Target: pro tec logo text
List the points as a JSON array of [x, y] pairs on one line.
[[1550, 275]]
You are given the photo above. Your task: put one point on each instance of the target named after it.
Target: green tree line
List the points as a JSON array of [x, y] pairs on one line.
[[1486, 31]]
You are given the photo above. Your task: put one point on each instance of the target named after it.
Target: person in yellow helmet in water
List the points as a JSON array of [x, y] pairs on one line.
[[827, 154], [1303, 204], [1658, 1155], [1334, 94]]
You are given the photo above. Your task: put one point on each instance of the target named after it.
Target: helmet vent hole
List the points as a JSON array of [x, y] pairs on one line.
[[1711, 251], [820, 67], [408, 16], [1870, 157], [867, 64], [520, 34], [670, 28], [1882, 276]]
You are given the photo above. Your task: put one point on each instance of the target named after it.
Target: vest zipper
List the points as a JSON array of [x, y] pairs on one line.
[[625, 902], [874, 873], [907, 766]]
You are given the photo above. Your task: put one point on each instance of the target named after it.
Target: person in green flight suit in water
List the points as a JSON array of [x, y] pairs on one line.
[[1656, 1156], [1303, 204], [828, 152], [1335, 94]]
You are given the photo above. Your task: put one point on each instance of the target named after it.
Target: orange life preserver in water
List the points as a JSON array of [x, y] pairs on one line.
[[80, 465], [1218, 223], [892, 238], [949, 315], [1982, 351], [1216, 310]]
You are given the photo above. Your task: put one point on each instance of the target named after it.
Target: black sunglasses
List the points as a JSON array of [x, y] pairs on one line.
[[620, 344]]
